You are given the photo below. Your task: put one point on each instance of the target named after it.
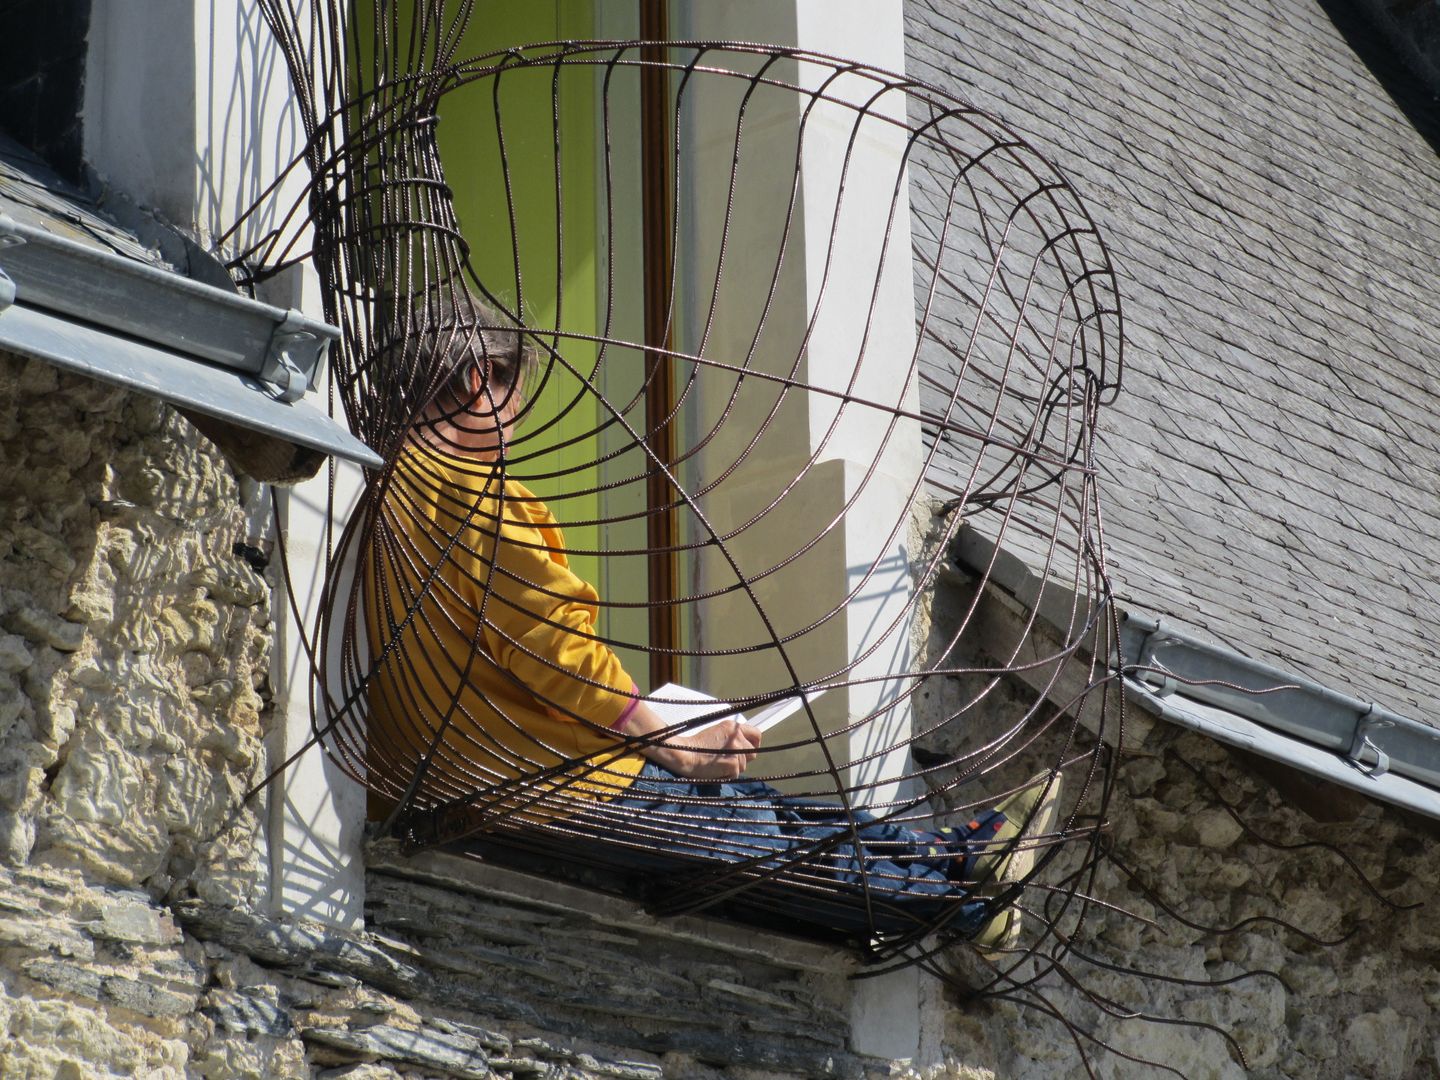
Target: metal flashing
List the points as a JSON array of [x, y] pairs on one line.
[[123, 295], [1361, 732], [1243, 702], [103, 314], [1238, 731], [222, 392]]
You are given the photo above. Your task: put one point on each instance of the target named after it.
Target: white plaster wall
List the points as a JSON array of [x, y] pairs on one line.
[[188, 111], [317, 812], [139, 117], [843, 296], [847, 267]]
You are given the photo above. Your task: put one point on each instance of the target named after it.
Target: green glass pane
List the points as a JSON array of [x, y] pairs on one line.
[[519, 154]]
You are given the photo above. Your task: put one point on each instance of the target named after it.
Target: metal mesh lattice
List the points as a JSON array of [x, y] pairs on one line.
[[867, 318]]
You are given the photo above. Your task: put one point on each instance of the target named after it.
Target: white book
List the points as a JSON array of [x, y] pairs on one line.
[[686, 704]]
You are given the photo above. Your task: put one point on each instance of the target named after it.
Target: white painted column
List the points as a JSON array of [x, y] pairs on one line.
[[316, 812], [840, 268], [847, 262]]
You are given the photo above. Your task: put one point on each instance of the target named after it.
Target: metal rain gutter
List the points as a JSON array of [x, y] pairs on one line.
[[1229, 697], [114, 318], [1244, 702]]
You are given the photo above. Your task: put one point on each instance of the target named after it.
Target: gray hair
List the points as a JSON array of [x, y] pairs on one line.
[[449, 333]]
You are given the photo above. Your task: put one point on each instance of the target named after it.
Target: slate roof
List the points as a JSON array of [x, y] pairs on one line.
[[32, 193], [35, 194], [1272, 467]]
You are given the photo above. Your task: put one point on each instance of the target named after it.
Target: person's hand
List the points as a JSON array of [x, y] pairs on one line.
[[721, 752]]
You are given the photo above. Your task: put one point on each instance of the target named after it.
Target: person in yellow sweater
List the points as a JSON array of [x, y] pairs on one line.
[[491, 684], [487, 641]]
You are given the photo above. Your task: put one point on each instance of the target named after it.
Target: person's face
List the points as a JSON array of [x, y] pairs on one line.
[[485, 426]]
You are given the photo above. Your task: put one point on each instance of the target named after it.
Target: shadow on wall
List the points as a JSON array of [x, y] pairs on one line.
[[252, 131], [135, 645]]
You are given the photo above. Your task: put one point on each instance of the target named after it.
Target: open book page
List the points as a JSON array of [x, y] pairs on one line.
[[685, 704]]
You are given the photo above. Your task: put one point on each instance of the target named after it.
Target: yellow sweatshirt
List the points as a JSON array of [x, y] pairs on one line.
[[482, 643]]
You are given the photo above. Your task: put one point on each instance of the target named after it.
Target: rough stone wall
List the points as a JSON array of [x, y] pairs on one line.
[[1352, 990], [135, 643], [133, 655], [134, 939], [132, 933]]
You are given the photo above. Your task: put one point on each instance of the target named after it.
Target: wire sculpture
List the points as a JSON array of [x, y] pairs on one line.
[[767, 468]]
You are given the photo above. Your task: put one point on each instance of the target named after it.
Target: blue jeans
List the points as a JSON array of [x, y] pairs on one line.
[[663, 819]]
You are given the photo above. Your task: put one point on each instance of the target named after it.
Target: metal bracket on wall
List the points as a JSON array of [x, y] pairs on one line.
[[1362, 742], [280, 373], [108, 317], [7, 284], [1148, 670]]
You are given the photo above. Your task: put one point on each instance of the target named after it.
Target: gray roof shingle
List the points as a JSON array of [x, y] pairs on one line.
[[1272, 466]]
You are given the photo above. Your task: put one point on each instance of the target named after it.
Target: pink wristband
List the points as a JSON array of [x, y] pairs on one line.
[[624, 717]]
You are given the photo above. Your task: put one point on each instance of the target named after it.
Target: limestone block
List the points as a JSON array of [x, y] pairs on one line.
[[60, 1038], [1318, 910], [100, 782], [44, 628], [54, 716], [91, 673], [189, 626], [1156, 820], [92, 598], [26, 930], [17, 837], [146, 415], [213, 695], [231, 583], [1316, 1038], [196, 794], [1141, 774], [143, 722], [1214, 828], [125, 854], [22, 773], [135, 920], [14, 705], [50, 551], [232, 735], [455, 1054], [228, 872], [35, 379], [1198, 1054], [261, 1058], [15, 655], [1383, 1043]]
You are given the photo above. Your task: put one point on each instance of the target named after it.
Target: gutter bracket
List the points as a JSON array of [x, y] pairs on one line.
[[1147, 669], [1362, 742], [8, 238], [280, 374]]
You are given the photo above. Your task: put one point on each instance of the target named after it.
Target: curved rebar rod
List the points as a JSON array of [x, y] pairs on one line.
[[981, 390]]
